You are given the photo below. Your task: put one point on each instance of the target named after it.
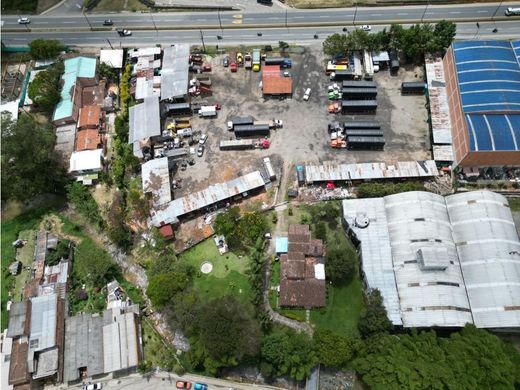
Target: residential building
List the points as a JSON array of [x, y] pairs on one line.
[[440, 262], [111, 57], [85, 165], [302, 270], [174, 73]]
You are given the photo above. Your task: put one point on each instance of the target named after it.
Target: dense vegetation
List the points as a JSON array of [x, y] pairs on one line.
[[30, 166], [241, 231], [376, 190], [20, 5], [43, 49], [470, 359], [414, 41], [45, 89]]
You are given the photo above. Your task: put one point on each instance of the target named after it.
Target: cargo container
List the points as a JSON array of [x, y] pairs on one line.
[[256, 60], [363, 133], [273, 124], [341, 75], [176, 109], [208, 111], [361, 125], [300, 173], [283, 62], [359, 84], [358, 106], [237, 144], [413, 88], [365, 143], [359, 93], [243, 131], [239, 120], [368, 64], [269, 168]]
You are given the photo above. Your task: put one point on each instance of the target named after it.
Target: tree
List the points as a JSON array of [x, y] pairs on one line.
[[84, 202], [107, 72], [375, 319], [226, 223], [117, 229], [336, 44], [162, 287], [443, 34], [61, 252], [241, 231], [226, 332], [340, 264], [43, 49], [30, 166], [333, 349], [470, 359], [288, 353], [320, 231], [44, 90], [283, 45]]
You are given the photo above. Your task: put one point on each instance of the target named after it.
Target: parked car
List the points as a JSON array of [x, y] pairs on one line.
[[183, 385], [123, 32], [203, 138], [307, 94], [225, 61], [24, 21], [366, 27], [108, 22], [206, 68], [200, 386], [233, 66], [200, 153], [93, 386]]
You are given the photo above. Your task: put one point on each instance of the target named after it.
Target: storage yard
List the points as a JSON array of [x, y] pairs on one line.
[[303, 137]]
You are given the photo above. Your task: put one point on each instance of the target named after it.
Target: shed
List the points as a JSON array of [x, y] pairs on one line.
[[274, 83], [113, 58], [282, 244]]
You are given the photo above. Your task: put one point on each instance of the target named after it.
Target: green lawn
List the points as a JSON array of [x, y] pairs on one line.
[[344, 307], [228, 274], [10, 230], [514, 204]]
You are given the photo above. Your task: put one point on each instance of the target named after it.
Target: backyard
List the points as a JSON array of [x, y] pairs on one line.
[[227, 276]]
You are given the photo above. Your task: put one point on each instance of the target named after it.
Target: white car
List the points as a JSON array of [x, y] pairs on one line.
[[307, 94], [366, 27], [93, 386], [200, 150], [203, 139], [24, 21]]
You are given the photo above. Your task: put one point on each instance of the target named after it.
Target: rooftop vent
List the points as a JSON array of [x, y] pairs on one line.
[[362, 221]]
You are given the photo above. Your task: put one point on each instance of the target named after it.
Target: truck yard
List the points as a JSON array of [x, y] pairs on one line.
[[304, 137]]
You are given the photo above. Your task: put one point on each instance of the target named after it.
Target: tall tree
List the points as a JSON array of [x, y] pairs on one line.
[[288, 353], [43, 49], [340, 264], [375, 319], [84, 202], [334, 349], [29, 164], [44, 90], [335, 44]]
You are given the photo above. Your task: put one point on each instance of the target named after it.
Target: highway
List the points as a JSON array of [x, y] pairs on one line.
[[277, 18], [300, 35]]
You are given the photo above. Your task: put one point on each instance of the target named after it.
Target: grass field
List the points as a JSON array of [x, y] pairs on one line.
[[514, 204], [227, 277], [10, 230], [119, 5]]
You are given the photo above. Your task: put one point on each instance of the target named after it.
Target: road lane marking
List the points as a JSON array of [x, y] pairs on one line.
[[455, 12], [376, 15], [482, 12], [325, 16]]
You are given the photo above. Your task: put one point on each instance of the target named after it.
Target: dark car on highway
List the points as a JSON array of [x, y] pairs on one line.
[[108, 22]]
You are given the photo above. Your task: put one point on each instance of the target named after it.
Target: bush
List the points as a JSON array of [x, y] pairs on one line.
[[376, 190], [82, 199], [42, 49]]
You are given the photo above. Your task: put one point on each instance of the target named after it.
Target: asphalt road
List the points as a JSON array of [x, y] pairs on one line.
[[302, 35], [280, 18]]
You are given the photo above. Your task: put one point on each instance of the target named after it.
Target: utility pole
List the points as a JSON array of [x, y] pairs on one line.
[[220, 22], [355, 14], [153, 21], [110, 44], [286, 19], [495, 14], [88, 21], [425, 10], [202, 39]]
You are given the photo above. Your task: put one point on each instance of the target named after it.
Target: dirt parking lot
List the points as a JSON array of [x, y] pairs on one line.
[[304, 137]]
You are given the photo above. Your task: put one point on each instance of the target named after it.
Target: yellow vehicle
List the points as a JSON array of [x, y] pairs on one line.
[[240, 59]]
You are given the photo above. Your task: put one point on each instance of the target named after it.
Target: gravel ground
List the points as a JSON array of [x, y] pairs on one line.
[[304, 137]]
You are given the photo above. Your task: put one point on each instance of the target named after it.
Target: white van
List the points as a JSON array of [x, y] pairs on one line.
[[307, 94], [512, 11]]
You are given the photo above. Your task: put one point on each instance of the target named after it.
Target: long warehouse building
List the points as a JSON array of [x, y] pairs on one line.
[[440, 262]]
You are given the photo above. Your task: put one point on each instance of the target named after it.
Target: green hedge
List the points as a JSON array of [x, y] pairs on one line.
[[376, 190]]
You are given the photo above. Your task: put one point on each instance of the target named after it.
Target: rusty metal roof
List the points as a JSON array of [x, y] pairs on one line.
[[156, 180]]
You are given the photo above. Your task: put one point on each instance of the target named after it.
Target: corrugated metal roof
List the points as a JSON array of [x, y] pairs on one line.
[[144, 120], [17, 316], [144, 51], [169, 213], [376, 255], [282, 244], [174, 71], [364, 171], [120, 341], [43, 322], [145, 88], [86, 160], [439, 109], [489, 252], [443, 152], [155, 176], [74, 68]]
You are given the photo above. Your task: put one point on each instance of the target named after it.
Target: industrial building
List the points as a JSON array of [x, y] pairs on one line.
[[155, 176], [440, 262], [144, 123], [174, 72], [482, 85]]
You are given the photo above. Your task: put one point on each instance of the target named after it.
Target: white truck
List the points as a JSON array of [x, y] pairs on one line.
[[208, 111]]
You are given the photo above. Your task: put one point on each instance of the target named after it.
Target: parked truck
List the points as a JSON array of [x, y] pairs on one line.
[[273, 124], [208, 111], [243, 131], [248, 61], [239, 120], [256, 60], [283, 62], [244, 144]]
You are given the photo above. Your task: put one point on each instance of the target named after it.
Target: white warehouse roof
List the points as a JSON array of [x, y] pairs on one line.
[[455, 260], [156, 180]]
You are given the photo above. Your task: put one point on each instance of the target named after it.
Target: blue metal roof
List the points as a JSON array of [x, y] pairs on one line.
[[282, 243], [488, 73]]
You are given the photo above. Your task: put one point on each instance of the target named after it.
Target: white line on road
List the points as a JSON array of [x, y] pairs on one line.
[[402, 13], [325, 16], [298, 17], [69, 22], [482, 12], [376, 15], [455, 12]]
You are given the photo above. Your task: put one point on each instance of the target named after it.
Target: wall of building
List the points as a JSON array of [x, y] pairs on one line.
[[491, 158], [459, 129]]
